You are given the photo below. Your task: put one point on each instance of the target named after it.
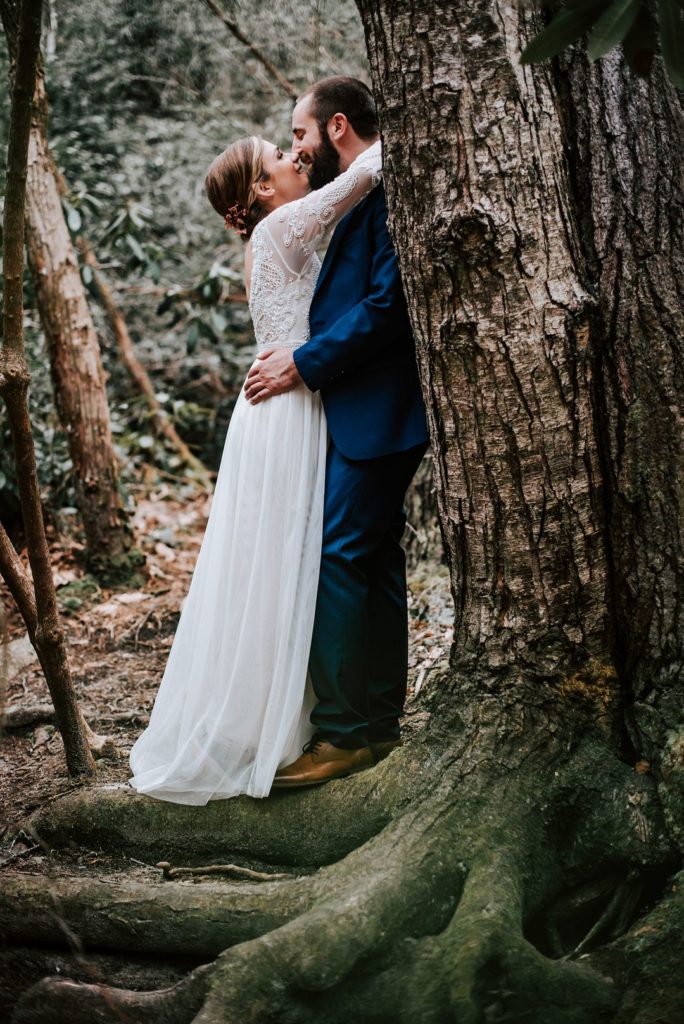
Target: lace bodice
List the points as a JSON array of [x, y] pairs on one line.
[[285, 266]]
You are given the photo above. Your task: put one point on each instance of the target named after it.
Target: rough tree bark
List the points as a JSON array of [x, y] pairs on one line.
[[72, 344], [523, 828], [75, 363], [42, 618]]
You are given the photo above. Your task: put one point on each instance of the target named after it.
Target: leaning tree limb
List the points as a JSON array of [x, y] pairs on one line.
[[20, 586], [15, 576], [50, 640], [137, 371], [232, 26]]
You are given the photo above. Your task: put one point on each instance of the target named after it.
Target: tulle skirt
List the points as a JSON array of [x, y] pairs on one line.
[[234, 701]]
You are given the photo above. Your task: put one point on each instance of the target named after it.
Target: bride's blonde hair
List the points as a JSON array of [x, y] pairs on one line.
[[231, 183]]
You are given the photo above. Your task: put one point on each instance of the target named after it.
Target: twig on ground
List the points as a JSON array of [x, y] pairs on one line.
[[20, 853], [134, 630], [125, 716], [16, 717], [220, 869]]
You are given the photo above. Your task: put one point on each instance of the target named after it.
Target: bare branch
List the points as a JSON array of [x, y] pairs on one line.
[[137, 371], [283, 82]]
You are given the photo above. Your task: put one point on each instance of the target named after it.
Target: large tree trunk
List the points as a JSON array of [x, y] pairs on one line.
[[75, 363], [466, 875], [501, 312], [39, 610], [77, 374], [625, 142]]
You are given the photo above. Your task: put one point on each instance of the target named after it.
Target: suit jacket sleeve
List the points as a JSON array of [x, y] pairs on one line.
[[363, 330]]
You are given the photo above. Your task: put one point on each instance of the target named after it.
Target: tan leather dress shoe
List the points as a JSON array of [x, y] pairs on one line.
[[383, 748], [322, 762]]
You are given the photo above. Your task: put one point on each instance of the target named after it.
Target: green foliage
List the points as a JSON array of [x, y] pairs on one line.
[[671, 15], [72, 597], [205, 308], [610, 23], [142, 97], [612, 27], [570, 24]]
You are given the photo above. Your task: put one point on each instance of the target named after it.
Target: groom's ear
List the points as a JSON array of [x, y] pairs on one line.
[[338, 126]]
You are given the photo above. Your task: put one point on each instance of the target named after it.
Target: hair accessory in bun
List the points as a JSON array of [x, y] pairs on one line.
[[236, 218]]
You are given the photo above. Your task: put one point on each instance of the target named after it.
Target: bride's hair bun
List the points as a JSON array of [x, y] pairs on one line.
[[231, 184]]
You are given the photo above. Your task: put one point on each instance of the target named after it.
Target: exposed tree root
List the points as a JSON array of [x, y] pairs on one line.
[[496, 974], [198, 919], [426, 921], [23, 966], [406, 879], [647, 963], [306, 827], [18, 717], [55, 1000], [101, 746]]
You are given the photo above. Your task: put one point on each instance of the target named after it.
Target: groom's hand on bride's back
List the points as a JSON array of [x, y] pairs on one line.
[[273, 373]]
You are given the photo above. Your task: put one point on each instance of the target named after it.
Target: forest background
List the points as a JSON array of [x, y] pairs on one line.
[[141, 98], [517, 858]]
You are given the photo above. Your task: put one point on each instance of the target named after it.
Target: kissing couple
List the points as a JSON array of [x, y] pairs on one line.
[[289, 664]]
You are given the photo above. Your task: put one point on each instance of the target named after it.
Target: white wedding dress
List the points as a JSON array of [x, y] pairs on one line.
[[234, 701]]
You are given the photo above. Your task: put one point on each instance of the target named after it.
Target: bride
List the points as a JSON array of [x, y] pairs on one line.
[[234, 701]]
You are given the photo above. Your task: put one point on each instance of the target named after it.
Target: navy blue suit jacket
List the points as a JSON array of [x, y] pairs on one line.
[[361, 352]]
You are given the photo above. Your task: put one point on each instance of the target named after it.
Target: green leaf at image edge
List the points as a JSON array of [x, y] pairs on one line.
[[671, 17], [568, 25], [641, 43], [612, 27]]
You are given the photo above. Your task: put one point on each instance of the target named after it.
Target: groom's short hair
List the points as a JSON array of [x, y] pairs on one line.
[[348, 96]]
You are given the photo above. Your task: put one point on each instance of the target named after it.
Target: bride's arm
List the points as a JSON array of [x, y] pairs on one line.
[[302, 223]]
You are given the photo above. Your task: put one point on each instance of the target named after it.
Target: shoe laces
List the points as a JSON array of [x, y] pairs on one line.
[[312, 745]]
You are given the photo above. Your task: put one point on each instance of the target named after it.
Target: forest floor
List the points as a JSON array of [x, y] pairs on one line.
[[119, 642]]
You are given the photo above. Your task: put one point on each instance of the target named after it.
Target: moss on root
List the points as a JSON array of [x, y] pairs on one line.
[[122, 570], [646, 962], [424, 913]]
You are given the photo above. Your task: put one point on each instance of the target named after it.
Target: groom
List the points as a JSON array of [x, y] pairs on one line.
[[360, 356]]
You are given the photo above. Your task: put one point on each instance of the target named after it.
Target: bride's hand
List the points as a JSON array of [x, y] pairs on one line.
[[273, 373]]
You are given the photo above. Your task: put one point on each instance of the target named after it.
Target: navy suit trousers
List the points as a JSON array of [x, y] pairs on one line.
[[359, 651]]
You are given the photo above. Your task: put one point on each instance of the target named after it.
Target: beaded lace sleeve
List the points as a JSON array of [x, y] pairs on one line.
[[297, 228], [284, 262]]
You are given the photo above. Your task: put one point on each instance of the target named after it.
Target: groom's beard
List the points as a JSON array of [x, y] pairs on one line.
[[325, 163]]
